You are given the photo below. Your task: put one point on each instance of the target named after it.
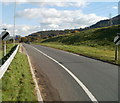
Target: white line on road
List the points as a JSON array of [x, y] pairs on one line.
[[90, 95], [39, 96]]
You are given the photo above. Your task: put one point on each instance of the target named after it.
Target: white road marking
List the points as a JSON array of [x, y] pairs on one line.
[[39, 96], [90, 95], [71, 53]]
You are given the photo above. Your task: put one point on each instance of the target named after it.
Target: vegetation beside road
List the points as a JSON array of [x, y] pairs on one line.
[[96, 43], [93, 37], [93, 52], [8, 49], [17, 83]]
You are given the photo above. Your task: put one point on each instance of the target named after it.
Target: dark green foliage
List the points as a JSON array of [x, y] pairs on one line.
[[93, 37]]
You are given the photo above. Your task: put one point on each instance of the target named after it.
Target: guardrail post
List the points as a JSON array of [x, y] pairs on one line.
[[4, 48]]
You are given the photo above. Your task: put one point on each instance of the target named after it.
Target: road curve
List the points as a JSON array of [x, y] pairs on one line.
[[100, 78]]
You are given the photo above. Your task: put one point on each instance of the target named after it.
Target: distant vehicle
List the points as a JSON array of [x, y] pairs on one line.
[[28, 42]]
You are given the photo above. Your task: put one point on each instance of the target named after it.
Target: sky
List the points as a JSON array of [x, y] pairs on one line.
[[31, 17]]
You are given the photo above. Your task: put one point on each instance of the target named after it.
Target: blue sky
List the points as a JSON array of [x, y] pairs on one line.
[[31, 17]]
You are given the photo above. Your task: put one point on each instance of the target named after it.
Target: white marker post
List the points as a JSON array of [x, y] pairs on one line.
[[5, 36], [117, 42], [4, 48]]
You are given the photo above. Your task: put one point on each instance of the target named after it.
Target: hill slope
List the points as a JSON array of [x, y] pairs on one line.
[[51, 33], [93, 37], [104, 23]]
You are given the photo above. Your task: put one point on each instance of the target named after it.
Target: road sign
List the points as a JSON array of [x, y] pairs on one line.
[[5, 36], [17, 37], [117, 40]]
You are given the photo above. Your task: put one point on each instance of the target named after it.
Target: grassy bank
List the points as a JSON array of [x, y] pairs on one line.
[[96, 43], [93, 37], [17, 83], [8, 49], [102, 53]]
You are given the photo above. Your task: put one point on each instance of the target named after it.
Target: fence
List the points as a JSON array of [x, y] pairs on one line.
[[5, 66]]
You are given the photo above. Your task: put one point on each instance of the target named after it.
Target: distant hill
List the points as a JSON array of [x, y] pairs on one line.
[[108, 22], [93, 37], [52, 33], [46, 34]]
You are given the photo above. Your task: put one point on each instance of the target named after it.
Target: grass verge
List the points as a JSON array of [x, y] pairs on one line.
[[17, 83], [101, 52], [8, 49]]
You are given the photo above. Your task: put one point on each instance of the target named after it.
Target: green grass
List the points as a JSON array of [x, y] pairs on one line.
[[97, 43], [9, 50], [17, 83], [9, 46], [93, 37], [1, 54], [102, 53]]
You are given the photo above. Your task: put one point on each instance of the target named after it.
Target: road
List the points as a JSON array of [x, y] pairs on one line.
[[100, 78]]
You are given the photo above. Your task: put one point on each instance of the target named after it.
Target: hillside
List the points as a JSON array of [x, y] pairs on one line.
[[46, 34], [37, 36], [93, 37], [105, 23]]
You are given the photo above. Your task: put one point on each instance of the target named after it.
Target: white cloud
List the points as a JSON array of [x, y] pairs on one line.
[[59, 3], [60, 0], [115, 7], [53, 26], [51, 18], [80, 3], [22, 30]]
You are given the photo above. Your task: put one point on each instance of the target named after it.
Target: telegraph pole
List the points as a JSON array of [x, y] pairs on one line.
[[110, 17], [4, 44], [14, 23]]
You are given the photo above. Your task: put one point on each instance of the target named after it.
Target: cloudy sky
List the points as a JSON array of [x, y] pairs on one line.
[[36, 16]]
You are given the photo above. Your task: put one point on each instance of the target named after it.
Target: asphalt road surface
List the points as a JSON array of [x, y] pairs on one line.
[[99, 78]]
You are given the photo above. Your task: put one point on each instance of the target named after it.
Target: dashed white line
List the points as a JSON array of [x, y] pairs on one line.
[[90, 95]]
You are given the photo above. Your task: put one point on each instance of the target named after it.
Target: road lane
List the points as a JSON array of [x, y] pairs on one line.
[[62, 83], [99, 77]]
